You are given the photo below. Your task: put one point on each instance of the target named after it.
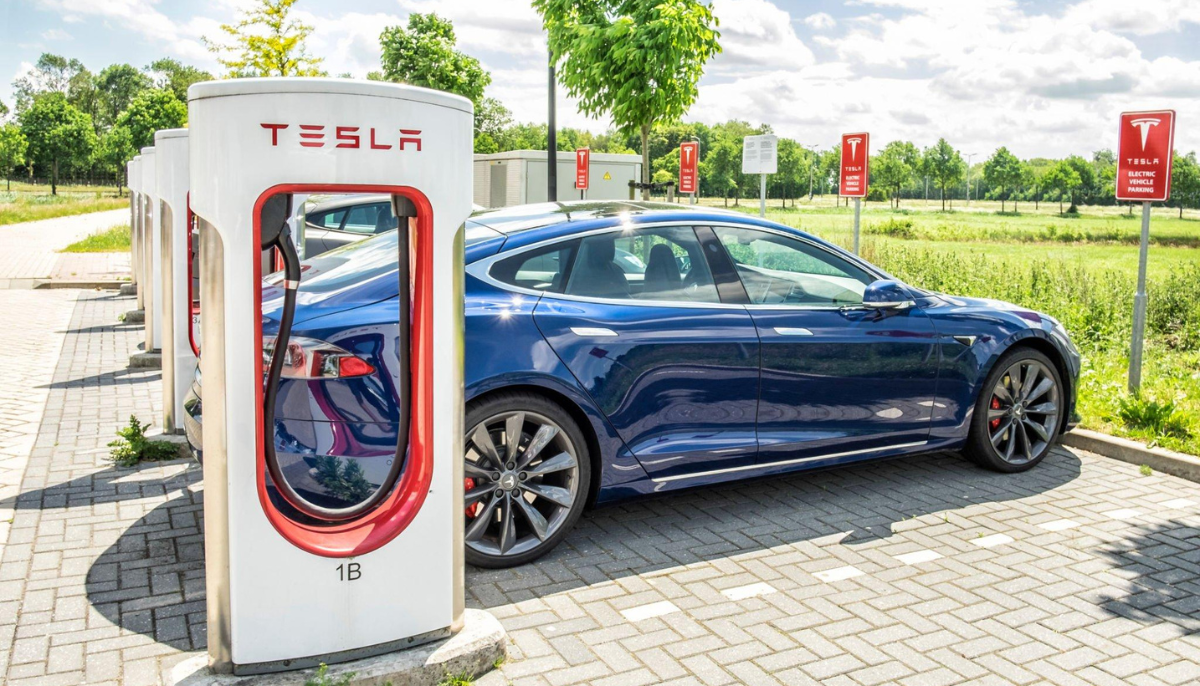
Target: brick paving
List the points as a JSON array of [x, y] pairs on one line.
[[30, 250], [916, 572]]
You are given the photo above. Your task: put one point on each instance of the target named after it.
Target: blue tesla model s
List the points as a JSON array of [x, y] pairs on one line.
[[616, 349]]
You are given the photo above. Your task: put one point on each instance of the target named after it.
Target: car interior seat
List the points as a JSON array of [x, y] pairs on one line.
[[595, 274], [662, 271]]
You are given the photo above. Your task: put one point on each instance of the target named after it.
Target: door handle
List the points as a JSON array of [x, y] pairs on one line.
[[792, 331], [592, 331]]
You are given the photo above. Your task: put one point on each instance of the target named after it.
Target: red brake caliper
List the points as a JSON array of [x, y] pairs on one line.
[[995, 406], [472, 510]]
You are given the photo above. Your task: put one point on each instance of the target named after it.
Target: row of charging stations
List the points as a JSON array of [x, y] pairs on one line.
[[291, 583]]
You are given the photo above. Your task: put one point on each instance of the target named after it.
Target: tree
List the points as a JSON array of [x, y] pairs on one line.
[[945, 166], [152, 110], [423, 54], [116, 149], [1185, 181], [895, 166], [267, 43], [1063, 179], [790, 168], [637, 62], [59, 134], [171, 75], [1003, 173], [117, 85], [491, 119], [52, 74], [1087, 179], [12, 151], [3, 110], [722, 167]]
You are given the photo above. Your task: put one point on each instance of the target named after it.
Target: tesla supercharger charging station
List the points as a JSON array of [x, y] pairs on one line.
[[151, 259], [292, 584], [130, 170], [135, 225], [173, 231]]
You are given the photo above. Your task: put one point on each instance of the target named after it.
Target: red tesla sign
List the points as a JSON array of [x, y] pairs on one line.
[[855, 160], [689, 153], [583, 158], [1145, 146]]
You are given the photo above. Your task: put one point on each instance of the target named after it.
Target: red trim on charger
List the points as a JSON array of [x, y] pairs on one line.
[[397, 511]]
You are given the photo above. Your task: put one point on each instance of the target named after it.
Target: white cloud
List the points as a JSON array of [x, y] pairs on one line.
[[506, 27], [1145, 17], [820, 21], [756, 35], [56, 35]]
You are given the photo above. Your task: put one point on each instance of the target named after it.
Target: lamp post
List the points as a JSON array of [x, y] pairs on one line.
[[551, 142]]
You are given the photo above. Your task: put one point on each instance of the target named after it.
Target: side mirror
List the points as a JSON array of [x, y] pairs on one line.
[[886, 294]]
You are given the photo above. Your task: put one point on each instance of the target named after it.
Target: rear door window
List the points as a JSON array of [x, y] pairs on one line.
[[331, 219], [370, 219]]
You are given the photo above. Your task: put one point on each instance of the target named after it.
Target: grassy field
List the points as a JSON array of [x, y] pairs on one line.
[[1081, 270], [112, 239], [26, 202]]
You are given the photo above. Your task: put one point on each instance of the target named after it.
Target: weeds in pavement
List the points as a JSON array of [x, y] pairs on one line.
[[132, 446], [322, 678]]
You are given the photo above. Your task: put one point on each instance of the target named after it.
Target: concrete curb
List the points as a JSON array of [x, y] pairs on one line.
[[128, 288], [1125, 450], [144, 360], [470, 653], [105, 284], [134, 317]]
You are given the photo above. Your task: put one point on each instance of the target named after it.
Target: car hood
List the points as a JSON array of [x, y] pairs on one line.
[[988, 304]]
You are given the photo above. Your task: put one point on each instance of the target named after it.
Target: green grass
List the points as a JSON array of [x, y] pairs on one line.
[[112, 239], [1081, 270], [27, 207]]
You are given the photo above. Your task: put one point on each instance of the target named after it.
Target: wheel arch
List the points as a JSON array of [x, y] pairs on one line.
[[572, 408], [1032, 340]]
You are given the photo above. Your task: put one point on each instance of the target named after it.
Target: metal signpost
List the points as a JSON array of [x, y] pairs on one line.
[[689, 177], [855, 173], [1145, 148], [760, 156], [583, 159]]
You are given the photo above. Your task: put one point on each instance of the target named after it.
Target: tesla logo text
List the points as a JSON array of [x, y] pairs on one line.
[[317, 135], [1143, 125]]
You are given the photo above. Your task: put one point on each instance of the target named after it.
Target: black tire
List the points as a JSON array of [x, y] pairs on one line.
[[569, 439], [982, 449]]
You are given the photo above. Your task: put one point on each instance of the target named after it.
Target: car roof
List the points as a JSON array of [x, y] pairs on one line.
[[510, 220]]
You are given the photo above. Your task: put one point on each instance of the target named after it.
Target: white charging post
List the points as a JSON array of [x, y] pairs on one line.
[[135, 226], [171, 162], [289, 590], [129, 173], [151, 259]]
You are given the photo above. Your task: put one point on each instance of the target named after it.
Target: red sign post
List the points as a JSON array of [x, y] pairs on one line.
[[689, 178], [855, 173], [583, 159], [1145, 150]]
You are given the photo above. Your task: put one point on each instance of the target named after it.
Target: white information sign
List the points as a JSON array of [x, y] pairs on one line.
[[760, 154]]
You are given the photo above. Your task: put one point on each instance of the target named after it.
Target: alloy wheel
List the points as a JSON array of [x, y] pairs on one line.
[[522, 479], [1023, 412]]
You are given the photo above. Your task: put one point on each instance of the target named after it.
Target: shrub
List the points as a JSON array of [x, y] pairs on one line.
[[894, 228]]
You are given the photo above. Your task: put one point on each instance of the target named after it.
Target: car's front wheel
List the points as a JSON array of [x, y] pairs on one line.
[[1018, 413], [527, 474]]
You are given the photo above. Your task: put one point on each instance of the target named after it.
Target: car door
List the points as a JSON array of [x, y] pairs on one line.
[[836, 377], [640, 322], [319, 226]]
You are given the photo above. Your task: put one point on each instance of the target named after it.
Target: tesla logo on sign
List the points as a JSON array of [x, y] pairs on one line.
[[317, 136], [854, 176], [689, 153], [1144, 154], [582, 161]]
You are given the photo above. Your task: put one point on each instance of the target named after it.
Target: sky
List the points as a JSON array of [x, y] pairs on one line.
[[1044, 78]]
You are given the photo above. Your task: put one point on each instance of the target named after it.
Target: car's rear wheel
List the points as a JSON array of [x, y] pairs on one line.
[[1018, 413], [527, 475]]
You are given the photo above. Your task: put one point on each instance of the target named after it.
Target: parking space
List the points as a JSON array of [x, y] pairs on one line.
[[922, 571]]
